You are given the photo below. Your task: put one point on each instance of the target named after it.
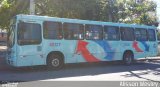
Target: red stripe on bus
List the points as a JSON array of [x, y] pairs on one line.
[[81, 48], [135, 46]]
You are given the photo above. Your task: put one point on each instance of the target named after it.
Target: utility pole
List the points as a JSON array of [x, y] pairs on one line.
[[32, 7], [110, 2]]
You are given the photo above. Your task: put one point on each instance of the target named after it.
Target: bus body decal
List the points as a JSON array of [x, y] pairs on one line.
[[106, 47], [78, 40], [136, 47], [145, 45], [81, 49]]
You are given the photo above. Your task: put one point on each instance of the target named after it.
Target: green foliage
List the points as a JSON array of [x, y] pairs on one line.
[[126, 11], [141, 13], [10, 8], [3, 10]]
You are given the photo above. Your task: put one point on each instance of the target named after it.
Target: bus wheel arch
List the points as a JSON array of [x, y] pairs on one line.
[[55, 60], [128, 57]]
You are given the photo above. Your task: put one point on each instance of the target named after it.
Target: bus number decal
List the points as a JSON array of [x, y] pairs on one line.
[[55, 44]]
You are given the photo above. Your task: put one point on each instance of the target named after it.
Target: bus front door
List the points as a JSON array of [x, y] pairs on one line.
[[29, 44]]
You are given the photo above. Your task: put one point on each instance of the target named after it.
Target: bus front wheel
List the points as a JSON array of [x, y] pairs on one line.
[[55, 61], [128, 58]]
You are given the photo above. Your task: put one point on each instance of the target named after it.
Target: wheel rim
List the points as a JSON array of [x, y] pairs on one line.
[[55, 62], [128, 59]]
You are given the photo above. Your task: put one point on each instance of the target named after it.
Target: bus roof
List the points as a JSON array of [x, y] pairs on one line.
[[47, 18]]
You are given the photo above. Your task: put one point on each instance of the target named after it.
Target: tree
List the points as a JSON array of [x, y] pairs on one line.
[[9, 8], [125, 11], [142, 12]]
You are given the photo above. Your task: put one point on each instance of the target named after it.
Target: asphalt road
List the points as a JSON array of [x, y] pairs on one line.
[[141, 71]]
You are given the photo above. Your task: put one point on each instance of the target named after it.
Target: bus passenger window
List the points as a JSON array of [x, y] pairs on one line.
[[111, 33], [73, 31], [94, 32], [52, 30], [127, 34], [29, 33], [151, 35], [141, 34]]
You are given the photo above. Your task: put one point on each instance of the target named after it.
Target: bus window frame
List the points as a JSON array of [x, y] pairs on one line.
[[141, 33], [83, 28], [128, 28], [154, 35], [102, 31], [119, 34], [61, 36]]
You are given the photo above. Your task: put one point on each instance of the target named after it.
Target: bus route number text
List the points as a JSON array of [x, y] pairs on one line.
[[55, 44]]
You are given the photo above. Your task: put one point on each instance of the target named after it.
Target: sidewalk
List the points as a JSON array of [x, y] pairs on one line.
[[3, 48], [2, 57]]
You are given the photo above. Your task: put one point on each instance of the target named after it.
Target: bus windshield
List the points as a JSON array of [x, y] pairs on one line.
[[11, 35]]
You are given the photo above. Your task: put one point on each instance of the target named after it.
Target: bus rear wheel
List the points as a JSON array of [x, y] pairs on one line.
[[55, 61], [128, 58]]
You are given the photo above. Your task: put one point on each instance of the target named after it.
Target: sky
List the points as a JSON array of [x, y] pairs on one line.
[[158, 8]]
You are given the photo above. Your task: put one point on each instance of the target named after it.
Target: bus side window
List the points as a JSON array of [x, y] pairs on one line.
[[127, 34], [141, 34], [151, 35], [94, 32], [73, 31], [111, 33], [52, 30], [29, 34], [158, 35]]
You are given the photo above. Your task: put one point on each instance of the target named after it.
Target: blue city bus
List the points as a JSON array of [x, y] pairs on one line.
[[42, 40]]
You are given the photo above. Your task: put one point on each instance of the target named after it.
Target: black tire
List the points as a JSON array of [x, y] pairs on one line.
[[128, 58], [55, 61]]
